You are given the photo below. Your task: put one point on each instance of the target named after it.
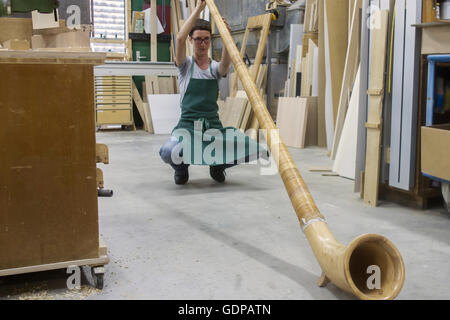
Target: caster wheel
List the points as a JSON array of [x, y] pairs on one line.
[[104, 193], [99, 281]]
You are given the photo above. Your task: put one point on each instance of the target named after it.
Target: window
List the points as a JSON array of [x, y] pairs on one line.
[[109, 19]]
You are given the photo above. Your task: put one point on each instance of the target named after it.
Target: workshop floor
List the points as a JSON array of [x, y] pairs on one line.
[[238, 240]]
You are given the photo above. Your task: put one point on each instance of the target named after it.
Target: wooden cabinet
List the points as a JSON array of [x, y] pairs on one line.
[[48, 188]]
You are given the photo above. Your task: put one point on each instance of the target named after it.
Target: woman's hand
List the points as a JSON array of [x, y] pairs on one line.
[[226, 23], [201, 4]]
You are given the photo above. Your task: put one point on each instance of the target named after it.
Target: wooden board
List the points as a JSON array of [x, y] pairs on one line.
[[148, 116], [35, 57], [144, 92], [311, 125], [328, 92], [376, 93], [337, 22], [348, 78], [292, 121], [345, 162], [48, 198], [140, 107], [247, 111], [154, 32], [321, 132], [261, 22], [152, 85], [234, 110], [100, 261], [166, 85], [15, 28], [248, 119], [64, 41]]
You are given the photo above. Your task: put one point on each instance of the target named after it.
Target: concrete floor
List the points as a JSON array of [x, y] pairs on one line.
[[239, 240]]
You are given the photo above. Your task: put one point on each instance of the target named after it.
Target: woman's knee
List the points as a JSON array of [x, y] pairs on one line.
[[169, 151]]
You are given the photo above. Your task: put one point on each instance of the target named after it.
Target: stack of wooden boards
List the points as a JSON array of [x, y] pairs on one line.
[[347, 55], [323, 87], [159, 106], [237, 111], [297, 114]]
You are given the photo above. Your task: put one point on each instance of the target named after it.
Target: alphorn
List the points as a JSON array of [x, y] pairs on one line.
[[349, 267]]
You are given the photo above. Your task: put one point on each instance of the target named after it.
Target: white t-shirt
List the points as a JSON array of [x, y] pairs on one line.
[[184, 74]]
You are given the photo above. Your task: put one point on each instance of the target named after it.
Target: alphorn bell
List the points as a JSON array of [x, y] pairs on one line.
[[348, 267]]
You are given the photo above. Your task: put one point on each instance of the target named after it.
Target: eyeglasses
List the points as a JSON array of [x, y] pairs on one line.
[[200, 40]]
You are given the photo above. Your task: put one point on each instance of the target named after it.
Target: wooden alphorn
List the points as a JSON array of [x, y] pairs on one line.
[[354, 268]]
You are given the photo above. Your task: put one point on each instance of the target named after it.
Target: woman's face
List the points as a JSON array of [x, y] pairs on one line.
[[201, 41]]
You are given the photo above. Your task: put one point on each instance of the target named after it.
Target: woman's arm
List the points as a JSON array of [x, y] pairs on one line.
[[180, 53], [225, 62]]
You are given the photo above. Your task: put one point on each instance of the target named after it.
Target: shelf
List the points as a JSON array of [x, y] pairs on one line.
[[432, 24]]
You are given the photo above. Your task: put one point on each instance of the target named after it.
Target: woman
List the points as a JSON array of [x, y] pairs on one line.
[[199, 137]]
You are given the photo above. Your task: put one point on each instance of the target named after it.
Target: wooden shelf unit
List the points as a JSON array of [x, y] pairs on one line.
[[113, 100]]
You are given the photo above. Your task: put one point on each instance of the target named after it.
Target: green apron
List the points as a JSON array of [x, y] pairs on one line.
[[204, 140]]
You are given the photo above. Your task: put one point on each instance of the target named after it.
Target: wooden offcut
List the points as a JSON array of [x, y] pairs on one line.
[[101, 153]]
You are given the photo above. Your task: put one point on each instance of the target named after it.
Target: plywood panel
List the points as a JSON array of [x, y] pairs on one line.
[[48, 199], [165, 112], [292, 121]]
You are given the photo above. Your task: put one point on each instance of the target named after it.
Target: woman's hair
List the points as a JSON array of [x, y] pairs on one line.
[[201, 24]]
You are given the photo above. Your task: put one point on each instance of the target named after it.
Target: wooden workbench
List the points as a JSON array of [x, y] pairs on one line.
[[48, 190]]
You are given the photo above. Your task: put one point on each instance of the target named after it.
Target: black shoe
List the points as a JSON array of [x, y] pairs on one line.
[[181, 176], [217, 173]]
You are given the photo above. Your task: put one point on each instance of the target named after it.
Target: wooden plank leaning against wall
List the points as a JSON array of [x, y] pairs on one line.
[[376, 93]]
